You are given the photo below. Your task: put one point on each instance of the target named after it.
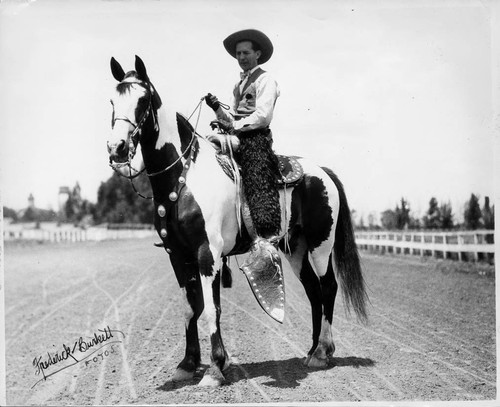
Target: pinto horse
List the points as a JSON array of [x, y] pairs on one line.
[[197, 220]]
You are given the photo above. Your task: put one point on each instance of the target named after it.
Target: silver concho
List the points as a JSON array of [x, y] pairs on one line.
[[162, 211]]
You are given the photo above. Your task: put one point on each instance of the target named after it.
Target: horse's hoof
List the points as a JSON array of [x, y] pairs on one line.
[[314, 362], [212, 378], [209, 381], [182, 375]]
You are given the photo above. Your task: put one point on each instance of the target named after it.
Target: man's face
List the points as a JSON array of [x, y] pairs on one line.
[[246, 56]]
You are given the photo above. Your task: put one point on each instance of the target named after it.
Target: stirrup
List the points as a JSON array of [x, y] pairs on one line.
[[264, 273]]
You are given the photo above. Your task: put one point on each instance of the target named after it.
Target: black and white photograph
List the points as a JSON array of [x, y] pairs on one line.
[[215, 202]]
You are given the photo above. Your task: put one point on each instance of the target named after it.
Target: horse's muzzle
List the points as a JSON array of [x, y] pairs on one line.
[[118, 152]]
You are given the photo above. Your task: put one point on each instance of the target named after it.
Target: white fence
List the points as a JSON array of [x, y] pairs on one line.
[[462, 245], [74, 234]]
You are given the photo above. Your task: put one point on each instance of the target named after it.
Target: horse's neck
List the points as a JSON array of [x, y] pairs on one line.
[[165, 150], [161, 150], [205, 171], [168, 132]]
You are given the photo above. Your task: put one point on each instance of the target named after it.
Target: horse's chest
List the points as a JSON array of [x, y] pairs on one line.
[[180, 224]]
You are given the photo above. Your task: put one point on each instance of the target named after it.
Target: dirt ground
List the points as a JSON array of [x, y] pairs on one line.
[[431, 334]]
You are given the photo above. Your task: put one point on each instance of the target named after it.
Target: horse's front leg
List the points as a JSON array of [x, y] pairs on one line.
[[210, 282], [189, 281]]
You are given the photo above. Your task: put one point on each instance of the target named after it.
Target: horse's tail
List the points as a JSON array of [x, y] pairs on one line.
[[347, 258]]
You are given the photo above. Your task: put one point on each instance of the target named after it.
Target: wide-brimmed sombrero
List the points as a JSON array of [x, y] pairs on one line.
[[263, 41]]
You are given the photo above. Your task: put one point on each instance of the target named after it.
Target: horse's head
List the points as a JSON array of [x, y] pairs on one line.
[[134, 101]]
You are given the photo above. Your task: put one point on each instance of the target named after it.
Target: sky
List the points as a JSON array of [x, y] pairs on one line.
[[397, 97]]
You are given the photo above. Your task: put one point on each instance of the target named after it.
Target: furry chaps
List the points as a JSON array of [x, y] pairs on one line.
[[259, 169]]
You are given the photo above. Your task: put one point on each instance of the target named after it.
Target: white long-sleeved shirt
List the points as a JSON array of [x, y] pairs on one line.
[[247, 114]]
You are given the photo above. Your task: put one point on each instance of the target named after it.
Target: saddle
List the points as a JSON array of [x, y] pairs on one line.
[[290, 170]]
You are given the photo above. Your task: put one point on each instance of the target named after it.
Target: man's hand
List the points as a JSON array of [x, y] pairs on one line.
[[223, 125], [212, 102]]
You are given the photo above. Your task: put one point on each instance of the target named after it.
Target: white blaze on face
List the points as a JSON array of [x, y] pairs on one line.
[[124, 106]]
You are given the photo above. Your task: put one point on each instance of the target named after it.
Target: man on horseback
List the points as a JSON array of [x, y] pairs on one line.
[[253, 101]]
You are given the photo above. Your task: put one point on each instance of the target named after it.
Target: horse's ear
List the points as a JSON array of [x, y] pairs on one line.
[[140, 68], [117, 70]]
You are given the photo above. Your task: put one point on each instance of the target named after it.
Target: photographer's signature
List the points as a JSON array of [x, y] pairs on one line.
[[76, 352]]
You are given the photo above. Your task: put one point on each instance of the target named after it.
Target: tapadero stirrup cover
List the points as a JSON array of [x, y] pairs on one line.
[[264, 273]]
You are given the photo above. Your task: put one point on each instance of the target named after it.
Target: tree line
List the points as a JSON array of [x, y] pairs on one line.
[[438, 216], [118, 203]]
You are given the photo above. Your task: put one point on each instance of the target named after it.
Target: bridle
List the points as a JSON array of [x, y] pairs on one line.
[[135, 139]]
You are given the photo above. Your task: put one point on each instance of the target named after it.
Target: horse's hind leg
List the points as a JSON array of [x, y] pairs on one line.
[[319, 217], [321, 293], [313, 291], [326, 347], [299, 260]]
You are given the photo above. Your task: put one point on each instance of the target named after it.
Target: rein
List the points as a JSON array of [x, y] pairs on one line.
[[198, 107]]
